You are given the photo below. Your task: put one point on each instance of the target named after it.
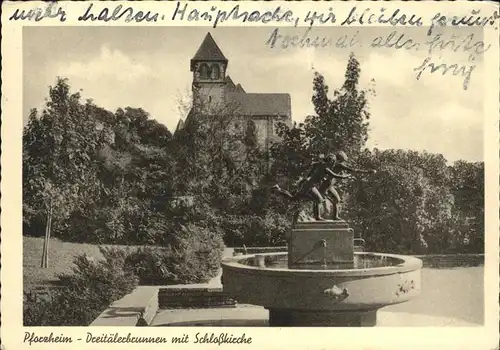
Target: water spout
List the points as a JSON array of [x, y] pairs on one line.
[[320, 244]]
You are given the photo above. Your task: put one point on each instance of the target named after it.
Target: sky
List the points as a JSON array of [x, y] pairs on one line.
[[148, 67]]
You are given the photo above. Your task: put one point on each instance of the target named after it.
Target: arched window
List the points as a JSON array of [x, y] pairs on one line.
[[204, 74], [215, 72]]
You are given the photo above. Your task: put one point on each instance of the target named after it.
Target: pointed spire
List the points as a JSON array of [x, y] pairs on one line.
[[208, 51]]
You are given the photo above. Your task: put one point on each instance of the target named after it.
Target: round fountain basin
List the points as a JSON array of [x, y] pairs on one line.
[[371, 281]]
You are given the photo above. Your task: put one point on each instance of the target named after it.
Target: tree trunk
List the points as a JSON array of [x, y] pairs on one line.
[[48, 238], [45, 253]]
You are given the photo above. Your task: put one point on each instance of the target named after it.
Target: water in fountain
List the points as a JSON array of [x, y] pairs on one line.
[[361, 261]]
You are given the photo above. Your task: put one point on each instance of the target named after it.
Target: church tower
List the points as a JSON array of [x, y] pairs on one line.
[[213, 90], [209, 72]]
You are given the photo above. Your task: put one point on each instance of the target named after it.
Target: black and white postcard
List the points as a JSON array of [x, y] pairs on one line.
[[261, 175]]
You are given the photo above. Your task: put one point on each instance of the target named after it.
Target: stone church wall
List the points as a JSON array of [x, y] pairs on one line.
[[261, 131]]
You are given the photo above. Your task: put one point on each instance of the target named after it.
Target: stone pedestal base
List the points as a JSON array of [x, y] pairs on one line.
[[315, 318], [320, 242]]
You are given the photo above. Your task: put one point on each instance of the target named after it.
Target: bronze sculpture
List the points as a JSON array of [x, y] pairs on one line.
[[319, 184], [327, 187], [308, 186]]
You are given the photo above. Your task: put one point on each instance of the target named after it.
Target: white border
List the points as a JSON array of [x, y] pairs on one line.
[[314, 338]]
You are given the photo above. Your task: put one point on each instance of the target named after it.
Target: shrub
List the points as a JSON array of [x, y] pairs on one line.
[[268, 229], [86, 292], [193, 256], [148, 264], [37, 310], [234, 227], [196, 255]]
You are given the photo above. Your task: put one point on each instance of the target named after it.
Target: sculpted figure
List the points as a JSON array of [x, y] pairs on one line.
[[327, 188], [308, 186], [319, 184]]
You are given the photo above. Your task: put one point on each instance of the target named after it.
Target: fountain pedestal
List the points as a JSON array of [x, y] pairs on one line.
[[321, 318], [321, 243]]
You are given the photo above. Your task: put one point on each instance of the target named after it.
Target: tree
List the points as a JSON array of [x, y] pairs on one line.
[[408, 206], [209, 149], [467, 185], [137, 171], [142, 129], [59, 149], [253, 165], [291, 156], [389, 208], [340, 123]]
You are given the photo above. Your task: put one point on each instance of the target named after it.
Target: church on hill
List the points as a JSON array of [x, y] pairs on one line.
[[212, 87]]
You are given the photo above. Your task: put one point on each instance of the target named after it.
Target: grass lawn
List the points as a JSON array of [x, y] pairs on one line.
[[61, 255]]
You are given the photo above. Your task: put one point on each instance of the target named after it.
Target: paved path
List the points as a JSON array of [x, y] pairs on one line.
[[216, 282], [255, 316]]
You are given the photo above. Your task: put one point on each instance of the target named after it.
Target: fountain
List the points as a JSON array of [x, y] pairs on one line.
[[322, 280]]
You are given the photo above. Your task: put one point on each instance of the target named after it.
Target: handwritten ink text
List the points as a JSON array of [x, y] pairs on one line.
[[463, 70], [219, 16], [307, 40], [38, 14], [367, 17], [466, 44], [118, 13], [474, 19], [390, 41], [313, 16]]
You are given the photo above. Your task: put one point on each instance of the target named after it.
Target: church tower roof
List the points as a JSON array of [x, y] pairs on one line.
[[239, 88], [208, 51], [229, 84]]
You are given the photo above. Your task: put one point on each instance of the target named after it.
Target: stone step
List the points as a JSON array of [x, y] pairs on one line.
[[178, 298], [135, 309]]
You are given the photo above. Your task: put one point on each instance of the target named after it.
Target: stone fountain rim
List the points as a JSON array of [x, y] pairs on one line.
[[409, 263]]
